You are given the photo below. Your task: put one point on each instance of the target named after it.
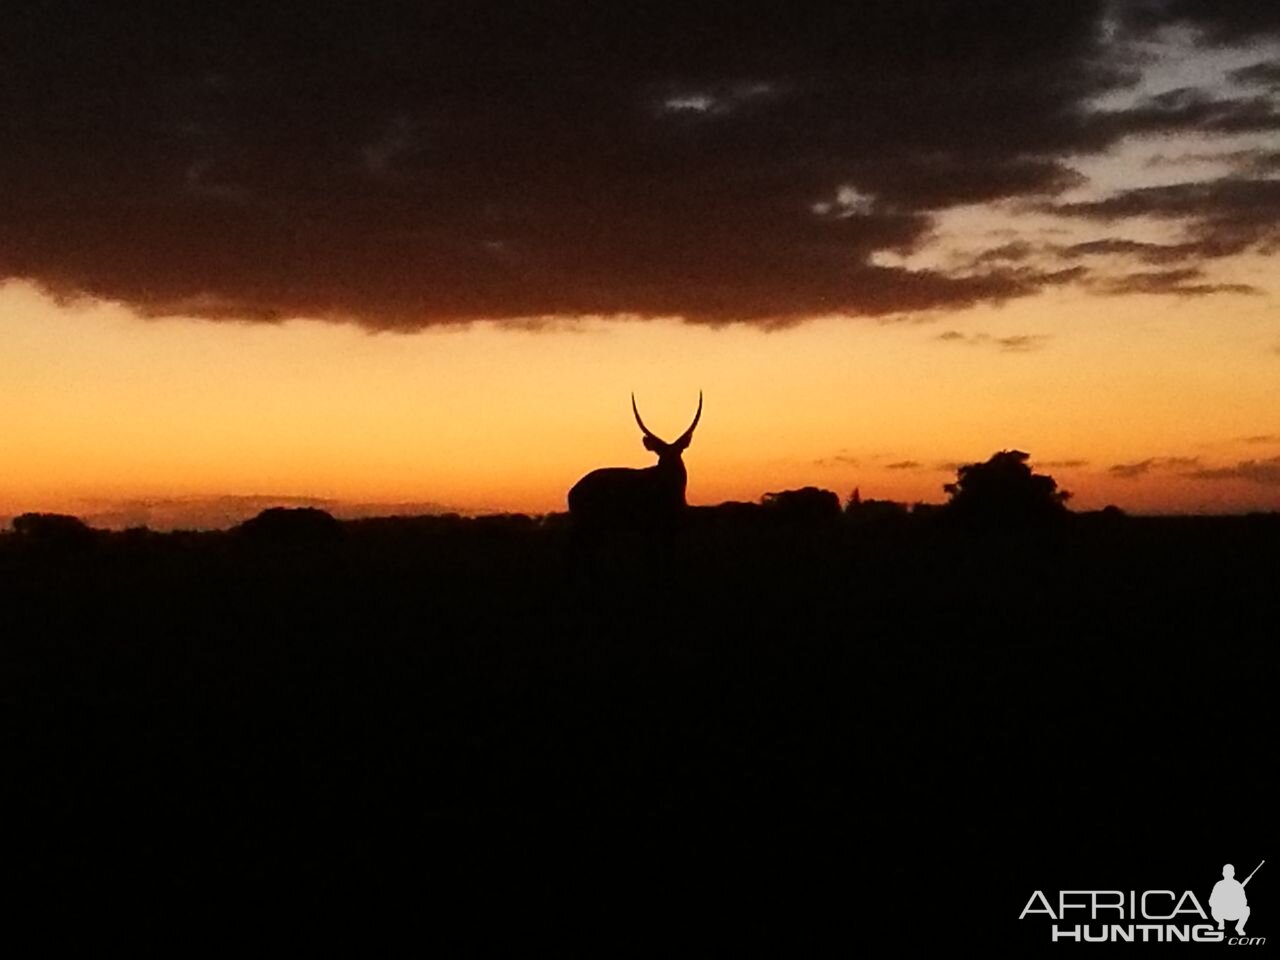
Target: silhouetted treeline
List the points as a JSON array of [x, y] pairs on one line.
[[770, 698]]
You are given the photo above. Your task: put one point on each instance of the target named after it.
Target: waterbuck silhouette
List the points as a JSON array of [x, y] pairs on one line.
[[626, 495]]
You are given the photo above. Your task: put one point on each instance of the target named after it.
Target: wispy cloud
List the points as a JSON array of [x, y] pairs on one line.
[[837, 460], [1185, 282], [1015, 343], [1265, 472], [1265, 74], [1140, 468]]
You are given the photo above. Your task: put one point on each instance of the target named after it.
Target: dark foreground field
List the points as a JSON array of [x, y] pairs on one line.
[[891, 732]]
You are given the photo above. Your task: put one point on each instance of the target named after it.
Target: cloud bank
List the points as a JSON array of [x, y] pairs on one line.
[[406, 165]]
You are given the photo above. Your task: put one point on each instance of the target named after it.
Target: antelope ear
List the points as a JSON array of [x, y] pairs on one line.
[[654, 444]]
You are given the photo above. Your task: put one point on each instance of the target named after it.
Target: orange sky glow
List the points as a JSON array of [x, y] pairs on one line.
[[258, 279], [168, 422]]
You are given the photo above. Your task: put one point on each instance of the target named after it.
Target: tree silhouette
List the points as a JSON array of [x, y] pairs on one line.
[[1004, 491]]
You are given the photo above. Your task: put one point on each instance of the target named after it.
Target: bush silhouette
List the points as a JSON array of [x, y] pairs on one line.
[[874, 512], [53, 529], [1004, 491], [291, 525], [808, 504]]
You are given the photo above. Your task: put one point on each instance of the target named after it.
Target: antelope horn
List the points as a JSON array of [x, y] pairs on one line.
[[688, 434], [647, 431]]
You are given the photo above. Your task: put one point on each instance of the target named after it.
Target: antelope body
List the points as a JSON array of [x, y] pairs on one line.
[[625, 494]]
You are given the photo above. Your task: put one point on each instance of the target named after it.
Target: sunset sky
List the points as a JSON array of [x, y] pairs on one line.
[[399, 258]]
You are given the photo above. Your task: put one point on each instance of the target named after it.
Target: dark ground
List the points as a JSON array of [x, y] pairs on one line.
[[882, 733]]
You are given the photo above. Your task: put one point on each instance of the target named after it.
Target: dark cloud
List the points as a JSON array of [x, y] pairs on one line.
[[1265, 472], [1185, 282], [1139, 250], [1188, 109], [1251, 202], [1255, 163], [1130, 471], [1262, 162], [1165, 160], [1221, 21], [1264, 74], [1015, 251], [1219, 219], [411, 164]]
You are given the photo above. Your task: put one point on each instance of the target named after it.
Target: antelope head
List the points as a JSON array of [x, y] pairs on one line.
[[668, 453]]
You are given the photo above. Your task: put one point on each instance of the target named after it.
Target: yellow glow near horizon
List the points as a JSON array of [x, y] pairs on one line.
[[99, 405]]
